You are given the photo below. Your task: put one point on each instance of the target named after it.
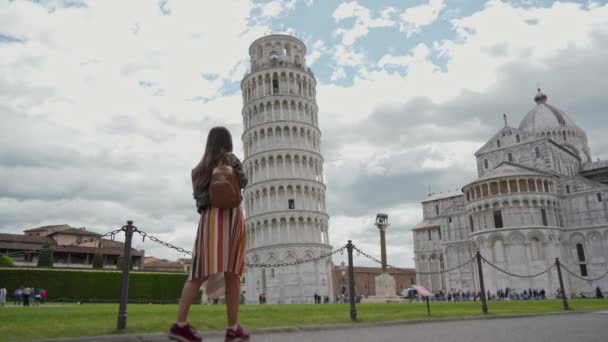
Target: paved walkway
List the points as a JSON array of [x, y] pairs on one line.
[[580, 327]]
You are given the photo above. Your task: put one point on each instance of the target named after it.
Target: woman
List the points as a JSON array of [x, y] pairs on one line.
[[219, 248]]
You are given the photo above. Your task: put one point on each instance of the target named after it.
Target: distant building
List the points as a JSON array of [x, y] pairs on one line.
[[23, 249], [152, 264], [365, 283], [538, 196]]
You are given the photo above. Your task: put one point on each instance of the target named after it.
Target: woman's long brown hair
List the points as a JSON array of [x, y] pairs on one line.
[[219, 142]]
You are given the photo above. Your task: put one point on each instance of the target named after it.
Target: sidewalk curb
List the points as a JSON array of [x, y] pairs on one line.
[[302, 329]]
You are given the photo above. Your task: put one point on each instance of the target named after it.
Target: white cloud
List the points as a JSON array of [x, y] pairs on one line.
[[363, 21], [276, 8], [419, 54], [315, 51], [415, 18]]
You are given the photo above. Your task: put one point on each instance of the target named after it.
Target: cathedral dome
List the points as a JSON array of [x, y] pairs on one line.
[[544, 117], [548, 121]]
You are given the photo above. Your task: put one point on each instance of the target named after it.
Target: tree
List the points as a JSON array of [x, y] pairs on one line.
[[45, 259], [6, 261], [98, 260], [120, 261]]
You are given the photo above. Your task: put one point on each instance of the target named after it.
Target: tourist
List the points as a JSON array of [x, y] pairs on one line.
[[37, 297], [26, 296], [2, 296], [214, 258], [19, 296], [43, 293], [598, 293]]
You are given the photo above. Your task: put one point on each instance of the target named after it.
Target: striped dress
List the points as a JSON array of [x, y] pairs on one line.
[[220, 243]]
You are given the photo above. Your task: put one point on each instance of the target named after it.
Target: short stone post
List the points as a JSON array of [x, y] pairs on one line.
[[126, 266], [482, 288], [351, 281], [561, 284]]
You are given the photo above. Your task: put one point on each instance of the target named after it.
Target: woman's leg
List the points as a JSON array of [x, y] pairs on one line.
[[233, 296], [189, 293]]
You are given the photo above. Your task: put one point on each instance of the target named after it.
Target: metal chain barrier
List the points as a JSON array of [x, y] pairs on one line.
[[292, 263], [360, 252], [157, 240], [516, 275], [298, 262], [580, 277]]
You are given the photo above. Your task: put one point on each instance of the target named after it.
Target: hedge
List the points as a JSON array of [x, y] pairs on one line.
[[94, 286]]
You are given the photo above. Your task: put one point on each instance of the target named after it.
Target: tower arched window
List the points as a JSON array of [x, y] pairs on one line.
[[485, 163], [510, 157], [498, 143], [275, 86]]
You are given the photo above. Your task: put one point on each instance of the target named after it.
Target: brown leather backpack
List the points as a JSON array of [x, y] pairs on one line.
[[224, 190]]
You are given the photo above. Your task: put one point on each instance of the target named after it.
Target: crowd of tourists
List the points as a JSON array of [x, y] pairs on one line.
[[25, 296], [500, 294]]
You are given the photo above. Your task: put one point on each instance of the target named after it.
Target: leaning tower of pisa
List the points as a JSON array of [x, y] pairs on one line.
[[285, 198]]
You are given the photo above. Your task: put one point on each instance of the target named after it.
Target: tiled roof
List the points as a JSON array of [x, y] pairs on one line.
[[45, 228], [32, 239], [443, 195], [76, 231], [163, 264]]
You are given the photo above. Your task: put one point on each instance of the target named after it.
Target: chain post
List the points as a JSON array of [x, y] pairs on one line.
[[561, 284], [126, 266], [482, 288], [351, 281]]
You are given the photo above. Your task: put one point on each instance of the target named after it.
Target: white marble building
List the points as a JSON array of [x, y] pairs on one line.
[[285, 199], [538, 196]]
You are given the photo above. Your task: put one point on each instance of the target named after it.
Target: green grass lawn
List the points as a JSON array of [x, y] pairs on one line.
[[63, 320]]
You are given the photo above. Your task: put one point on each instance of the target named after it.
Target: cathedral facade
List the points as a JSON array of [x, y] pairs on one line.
[[285, 198], [538, 196]]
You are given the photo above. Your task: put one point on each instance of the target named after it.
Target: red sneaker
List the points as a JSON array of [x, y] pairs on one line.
[[237, 335], [187, 333]]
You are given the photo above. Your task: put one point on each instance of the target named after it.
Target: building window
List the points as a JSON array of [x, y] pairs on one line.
[[599, 197], [498, 143], [436, 209], [292, 204], [546, 186], [543, 216], [580, 251], [498, 218], [510, 157], [471, 224], [583, 270], [517, 138], [439, 231], [272, 273], [430, 237], [537, 152], [567, 189], [485, 163], [450, 219]]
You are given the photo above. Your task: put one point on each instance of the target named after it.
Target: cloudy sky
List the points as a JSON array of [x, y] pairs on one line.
[[105, 105]]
